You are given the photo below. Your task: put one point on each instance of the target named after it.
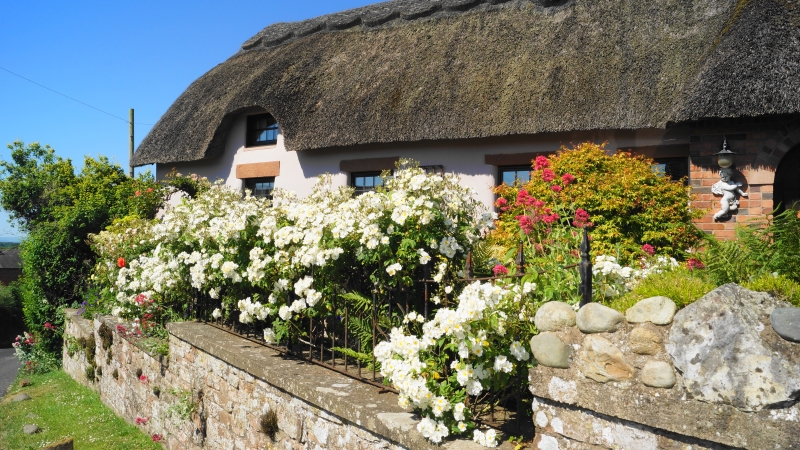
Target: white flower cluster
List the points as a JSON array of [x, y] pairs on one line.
[[613, 279], [469, 328], [228, 247]]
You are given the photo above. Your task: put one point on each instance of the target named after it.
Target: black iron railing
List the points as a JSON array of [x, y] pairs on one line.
[[343, 339]]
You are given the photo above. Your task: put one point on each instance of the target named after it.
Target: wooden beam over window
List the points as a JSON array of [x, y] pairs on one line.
[[368, 164], [258, 170]]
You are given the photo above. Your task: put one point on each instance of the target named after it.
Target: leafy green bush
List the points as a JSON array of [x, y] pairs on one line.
[[780, 286], [630, 204], [682, 285], [59, 209]]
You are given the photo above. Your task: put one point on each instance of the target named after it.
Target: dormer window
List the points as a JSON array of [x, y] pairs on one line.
[[262, 129]]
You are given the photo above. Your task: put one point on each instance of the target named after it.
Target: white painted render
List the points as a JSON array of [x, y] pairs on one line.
[[466, 158]]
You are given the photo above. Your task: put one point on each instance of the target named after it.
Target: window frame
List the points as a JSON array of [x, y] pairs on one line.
[[683, 160], [252, 132], [514, 168], [249, 183], [369, 173]]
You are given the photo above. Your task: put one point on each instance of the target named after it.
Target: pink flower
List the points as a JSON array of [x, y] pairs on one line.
[[567, 178], [541, 162], [526, 223], [49, 326], [121, 329], [551, 218], [158, 438], [556, 188], [523, 198], [149, 190], [694, 263], [138, 193], [500, 270], [548, 175], [142, 420], [143, 378], [581, 218], [647, 248], [501, 202]]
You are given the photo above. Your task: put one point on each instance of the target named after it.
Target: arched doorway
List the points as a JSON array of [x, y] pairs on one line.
[[787, 181]]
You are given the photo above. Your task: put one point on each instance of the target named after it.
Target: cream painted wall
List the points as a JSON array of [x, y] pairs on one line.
[[299, 170]]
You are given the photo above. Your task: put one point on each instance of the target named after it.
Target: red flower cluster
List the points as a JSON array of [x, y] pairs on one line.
[[537, 212], [567, 178], [49, 326], [500, 270], [581, 218], [143, 300], [158, 438], [142, 420], [694, 263], [541, 162], [121, 262], [649, 249], [143, 378], [548, 175]]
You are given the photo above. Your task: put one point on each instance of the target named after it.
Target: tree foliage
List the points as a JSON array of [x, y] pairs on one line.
[[59, 208], [630, 203]]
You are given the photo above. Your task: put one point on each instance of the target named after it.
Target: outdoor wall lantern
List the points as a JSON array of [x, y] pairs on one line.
[[725, 187]]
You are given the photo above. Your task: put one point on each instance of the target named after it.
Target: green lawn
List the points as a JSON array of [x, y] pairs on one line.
[[64, 408]]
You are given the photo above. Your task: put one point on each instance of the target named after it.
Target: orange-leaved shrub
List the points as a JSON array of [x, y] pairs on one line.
[[629, 203]]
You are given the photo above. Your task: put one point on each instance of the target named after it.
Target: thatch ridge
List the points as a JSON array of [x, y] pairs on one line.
[[473, 69]]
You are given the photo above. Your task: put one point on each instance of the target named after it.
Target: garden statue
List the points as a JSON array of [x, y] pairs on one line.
[[728, 191]]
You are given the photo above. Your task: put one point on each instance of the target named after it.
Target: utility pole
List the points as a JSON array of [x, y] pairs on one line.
[[130, 144]]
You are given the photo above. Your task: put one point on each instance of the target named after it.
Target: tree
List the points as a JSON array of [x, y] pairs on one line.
[[59, 209]]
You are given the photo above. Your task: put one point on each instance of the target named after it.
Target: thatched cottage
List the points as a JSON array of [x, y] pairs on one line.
[[479, 87]]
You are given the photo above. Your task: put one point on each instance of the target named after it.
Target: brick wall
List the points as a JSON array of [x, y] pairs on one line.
[[759, 145]]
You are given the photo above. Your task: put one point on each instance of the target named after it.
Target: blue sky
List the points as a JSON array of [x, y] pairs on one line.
[[115, 56]]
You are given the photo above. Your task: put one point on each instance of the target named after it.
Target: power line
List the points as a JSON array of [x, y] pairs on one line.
[[74, 100]]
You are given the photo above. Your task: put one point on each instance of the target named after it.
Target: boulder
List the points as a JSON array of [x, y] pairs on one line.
[[30, 429], [727, 353], [658, 374], [554, 316], [645, 341], [602, 361], [597, 318], [658, 310], [786, 322], [549, 351], [21, 397]]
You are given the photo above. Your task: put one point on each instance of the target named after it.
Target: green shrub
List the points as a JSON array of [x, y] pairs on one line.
[[59, 209], [629, 203], [682, 285], [780, 286]]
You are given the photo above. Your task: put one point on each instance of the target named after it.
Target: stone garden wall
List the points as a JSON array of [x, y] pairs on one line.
[[722, 373], [233, 385]]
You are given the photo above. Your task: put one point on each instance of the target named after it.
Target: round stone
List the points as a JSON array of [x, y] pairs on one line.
[[645, 341], [554, 316], [658, 374], [597, 318], [786, 322], [30, 429], [21, 397], [549, 351], [658, 310]]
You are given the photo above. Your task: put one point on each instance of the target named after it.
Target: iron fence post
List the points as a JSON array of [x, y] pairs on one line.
[[586, 270]]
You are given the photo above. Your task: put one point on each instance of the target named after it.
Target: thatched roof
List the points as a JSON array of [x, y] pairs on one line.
[[411, 70]]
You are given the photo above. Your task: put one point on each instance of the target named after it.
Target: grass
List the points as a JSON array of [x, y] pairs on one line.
[[64, 408]]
